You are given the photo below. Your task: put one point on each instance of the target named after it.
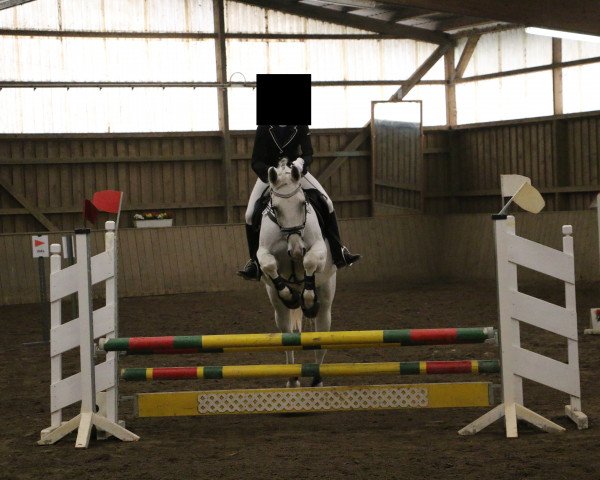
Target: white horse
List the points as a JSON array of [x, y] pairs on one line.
[[295, 259]]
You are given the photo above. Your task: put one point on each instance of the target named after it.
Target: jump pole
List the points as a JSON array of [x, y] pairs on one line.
[[304, 340], [472, 367]]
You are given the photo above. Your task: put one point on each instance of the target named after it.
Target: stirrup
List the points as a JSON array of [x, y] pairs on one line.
[[250, 271]]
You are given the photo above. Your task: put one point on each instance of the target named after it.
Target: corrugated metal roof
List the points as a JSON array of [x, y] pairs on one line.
[[518, 96], [108, 110], [332, 59], [509, 50], [575, 50], [249, 19], [41, 14], [111, 59], [580, 88], [112, 15]]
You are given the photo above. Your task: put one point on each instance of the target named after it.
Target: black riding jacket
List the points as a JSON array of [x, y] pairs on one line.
[[271, 143]]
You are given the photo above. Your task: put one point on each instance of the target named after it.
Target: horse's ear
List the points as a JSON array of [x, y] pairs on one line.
[[295, 173], [272, 175]]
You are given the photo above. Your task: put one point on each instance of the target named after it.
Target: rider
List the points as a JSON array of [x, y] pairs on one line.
[[273, 142]]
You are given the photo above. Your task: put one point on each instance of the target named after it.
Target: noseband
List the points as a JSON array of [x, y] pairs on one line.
[[272, 214]]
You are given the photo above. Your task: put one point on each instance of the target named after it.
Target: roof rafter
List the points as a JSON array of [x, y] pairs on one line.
[[12, 3], [349, 20], [466, 55], [581, 16]]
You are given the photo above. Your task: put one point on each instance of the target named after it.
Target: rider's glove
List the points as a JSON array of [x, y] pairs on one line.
[[299, 164]]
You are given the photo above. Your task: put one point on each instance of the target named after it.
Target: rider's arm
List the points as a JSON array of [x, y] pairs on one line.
[[260, 163], [306, 151]]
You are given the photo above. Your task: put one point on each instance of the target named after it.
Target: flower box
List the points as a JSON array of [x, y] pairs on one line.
[[163, 222]]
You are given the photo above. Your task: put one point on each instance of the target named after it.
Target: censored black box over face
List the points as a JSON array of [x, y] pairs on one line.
[[283, 99]]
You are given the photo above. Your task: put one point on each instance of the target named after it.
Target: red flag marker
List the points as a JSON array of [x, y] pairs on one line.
[[90, 212], [107, 201]]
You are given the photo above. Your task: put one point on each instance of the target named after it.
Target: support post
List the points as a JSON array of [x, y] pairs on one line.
[[450, 88], [557, 84], [223, 105]]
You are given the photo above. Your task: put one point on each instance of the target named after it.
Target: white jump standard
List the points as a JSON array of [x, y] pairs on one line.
[[80, 333], [595, 312], [515, 308]]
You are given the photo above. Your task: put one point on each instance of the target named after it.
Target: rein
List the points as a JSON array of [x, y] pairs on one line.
[[273, 215]]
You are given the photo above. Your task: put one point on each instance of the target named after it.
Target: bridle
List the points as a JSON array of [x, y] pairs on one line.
[[272, 214]]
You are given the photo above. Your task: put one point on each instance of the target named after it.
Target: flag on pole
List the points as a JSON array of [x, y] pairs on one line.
[[529, 199], [510, 184], [90, 212], [105, 201], [520, 191], [108, 201]]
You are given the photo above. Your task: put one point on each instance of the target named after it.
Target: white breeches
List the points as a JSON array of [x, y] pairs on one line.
[[307, 181]]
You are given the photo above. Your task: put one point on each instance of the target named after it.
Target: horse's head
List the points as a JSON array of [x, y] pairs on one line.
[[288, 205]]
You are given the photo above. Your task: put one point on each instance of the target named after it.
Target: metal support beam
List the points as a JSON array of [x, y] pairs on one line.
[[223, 105], [142, 84], [21, 32], [349, 20]]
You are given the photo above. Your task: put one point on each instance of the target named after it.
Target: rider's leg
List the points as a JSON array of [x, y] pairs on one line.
[[341, 255], [251, 270]]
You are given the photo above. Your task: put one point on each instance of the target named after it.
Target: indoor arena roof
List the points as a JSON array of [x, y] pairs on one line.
[[437, 20]]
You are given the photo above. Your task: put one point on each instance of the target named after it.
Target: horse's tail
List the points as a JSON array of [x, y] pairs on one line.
[[296, 319]]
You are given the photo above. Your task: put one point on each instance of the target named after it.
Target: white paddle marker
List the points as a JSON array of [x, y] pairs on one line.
[[521, 191]]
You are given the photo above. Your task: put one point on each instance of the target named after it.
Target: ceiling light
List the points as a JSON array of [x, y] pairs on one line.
[[566, 35]]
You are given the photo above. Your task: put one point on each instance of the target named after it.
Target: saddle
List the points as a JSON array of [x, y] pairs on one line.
[[313, 197]]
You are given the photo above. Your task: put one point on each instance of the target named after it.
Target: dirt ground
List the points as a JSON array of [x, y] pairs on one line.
[[408, 444]]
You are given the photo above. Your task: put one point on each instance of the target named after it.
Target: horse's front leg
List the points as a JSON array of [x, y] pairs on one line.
[[323, 320], [314, 260], [268, 264], [284, 319]]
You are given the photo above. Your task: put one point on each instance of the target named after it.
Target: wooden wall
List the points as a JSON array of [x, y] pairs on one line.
[[404, 248], [178, 173], [560, 155], [183, 174], [206, 258], [469, 243]]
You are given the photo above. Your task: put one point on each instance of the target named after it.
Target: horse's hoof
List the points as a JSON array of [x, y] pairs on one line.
[[313, 310], [294, 302], [293, 383]]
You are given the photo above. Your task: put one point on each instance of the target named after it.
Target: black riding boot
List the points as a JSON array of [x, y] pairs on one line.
[[341, 255], [251, 270]]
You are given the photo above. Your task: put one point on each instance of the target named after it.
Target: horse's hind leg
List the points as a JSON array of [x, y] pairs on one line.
[[283, 320], [323, 322]]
